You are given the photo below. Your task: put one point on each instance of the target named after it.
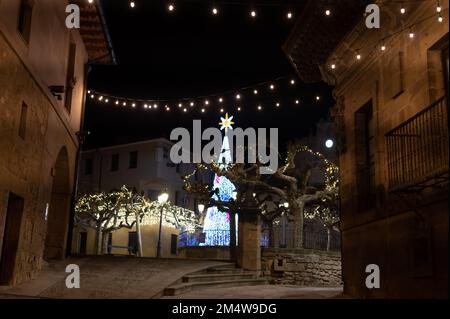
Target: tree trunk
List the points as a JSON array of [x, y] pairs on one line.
[[105, 238], [271, 236], [138, 234], [328, 238], [232, 236], [98, 240], [298, 224]]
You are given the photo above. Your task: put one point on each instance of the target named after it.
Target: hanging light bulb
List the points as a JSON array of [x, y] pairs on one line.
[[221, 110], [145, 106], [132, 4], [383, 47], [206, 102], [92, 96], [402, 9], [185, 110], [272, 87], [133, 105], [203, 110], [278, 104], [220, 100], [191, 104], [358, 56], [317, 98], [238, 96], [155, 106], [411, 34], [171, 7], [289, 15], [167, 108], [124, 103], [215, 11], [253, 14], [438, 7], [327, 12], [117, 102], [180, 105], [239, 109], [292, 82], [259, 107], [440, 18], [90, 1], [255, 92], [107, 101], [333, 66], [297, 102]]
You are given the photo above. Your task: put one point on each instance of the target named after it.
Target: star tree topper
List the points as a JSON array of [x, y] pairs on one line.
[[226, 123]]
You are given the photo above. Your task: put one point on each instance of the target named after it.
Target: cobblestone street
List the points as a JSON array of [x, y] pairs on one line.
[[133, 278]]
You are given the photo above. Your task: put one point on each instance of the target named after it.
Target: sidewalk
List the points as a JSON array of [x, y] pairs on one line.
[[263, 292], [107, 277]]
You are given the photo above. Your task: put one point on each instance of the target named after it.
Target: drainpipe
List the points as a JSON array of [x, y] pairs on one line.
[[81, 136]]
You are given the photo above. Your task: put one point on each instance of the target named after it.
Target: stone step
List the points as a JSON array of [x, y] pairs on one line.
[[217, 277], [185, 287], [218, 270]]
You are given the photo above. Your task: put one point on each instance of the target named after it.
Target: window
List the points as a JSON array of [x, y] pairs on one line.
[[88, 166], [177, 197], [23, 120], [70, 78], [133, 159], [365, 157], [445, 57], [152, 195], [114, 162], [24, 21]]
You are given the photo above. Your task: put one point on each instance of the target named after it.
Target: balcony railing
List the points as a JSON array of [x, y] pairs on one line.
[[418, 150]]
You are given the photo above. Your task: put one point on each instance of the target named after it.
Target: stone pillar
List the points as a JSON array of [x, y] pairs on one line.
[[249, 246]]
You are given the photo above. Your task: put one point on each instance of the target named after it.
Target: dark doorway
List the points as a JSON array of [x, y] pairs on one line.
[[173, 244], [11, 238], [59, 209], [132, 242], [82, 243]]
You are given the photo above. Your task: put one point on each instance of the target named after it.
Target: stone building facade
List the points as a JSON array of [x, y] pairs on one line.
[[392, 120], [42, 87]]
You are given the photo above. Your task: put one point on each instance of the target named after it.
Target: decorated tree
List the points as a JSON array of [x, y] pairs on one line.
[[286, 190], [106, 212]]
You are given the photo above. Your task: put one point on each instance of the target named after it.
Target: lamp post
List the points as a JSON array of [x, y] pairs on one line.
[[162, 199]]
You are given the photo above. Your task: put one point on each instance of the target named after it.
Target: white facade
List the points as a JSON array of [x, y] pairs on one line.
[[145, 166]]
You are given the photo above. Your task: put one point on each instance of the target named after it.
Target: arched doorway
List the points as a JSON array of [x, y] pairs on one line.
[[59, 209]]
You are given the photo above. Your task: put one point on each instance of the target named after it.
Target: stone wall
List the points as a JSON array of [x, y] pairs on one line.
[[30, 165], [302, 267]]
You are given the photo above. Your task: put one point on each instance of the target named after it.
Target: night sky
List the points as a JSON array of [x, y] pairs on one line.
[[191, 53]]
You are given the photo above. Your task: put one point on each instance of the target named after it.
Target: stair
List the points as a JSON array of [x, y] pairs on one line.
[[222, 276]]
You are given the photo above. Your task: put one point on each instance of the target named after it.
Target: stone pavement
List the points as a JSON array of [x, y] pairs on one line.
[[105, 277], [108, 277], [263, 292]]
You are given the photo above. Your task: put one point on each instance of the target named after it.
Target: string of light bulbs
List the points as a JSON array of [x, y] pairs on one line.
[[381, 45], [253, 11], [203, 104]]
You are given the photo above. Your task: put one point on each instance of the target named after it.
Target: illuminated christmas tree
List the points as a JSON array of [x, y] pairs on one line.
[[217, 223]]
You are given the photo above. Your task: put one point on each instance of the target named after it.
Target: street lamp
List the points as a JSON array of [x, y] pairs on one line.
[[162, 199], [329, 143]]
